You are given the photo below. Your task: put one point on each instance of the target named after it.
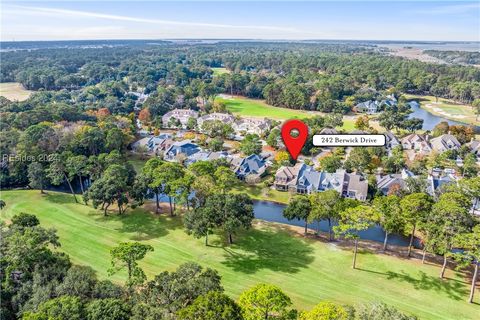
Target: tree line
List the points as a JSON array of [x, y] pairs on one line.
[[446, 223], [38, 282]]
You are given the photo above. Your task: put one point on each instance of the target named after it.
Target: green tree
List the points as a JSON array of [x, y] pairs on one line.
[[469, 242], [352, 221], [148, 172], [191, 123], [166, 177], [415, 207], [215, 144], [2, 204], [389, 215], [176, 290], [381, 311], [108, 309], [212, 306], [325, 310], [450, 215], [126, 255], [79, 282], [251, 144], [324, 205], [36, 176], [298, 208], [57, 173], [77, 166], [272, 138], [330, 163], [264, 301], [61, 308], [225, 179]]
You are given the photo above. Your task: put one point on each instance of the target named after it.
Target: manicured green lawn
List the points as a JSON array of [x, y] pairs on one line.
[[308, 270], [220, 71], [257, 192], [258, 108], [446, 108]]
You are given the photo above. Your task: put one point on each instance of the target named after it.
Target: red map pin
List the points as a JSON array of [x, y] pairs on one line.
[[294, 144]]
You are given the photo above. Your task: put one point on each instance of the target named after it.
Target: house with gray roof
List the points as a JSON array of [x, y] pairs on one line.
[[445, 142], [181, 115], [205, 156], [182, 149], [438, 178], [286, 177], [386, 183], [223, 117], [391, 141], [356, 187], [251, 125], [252, 167], [368, 107]]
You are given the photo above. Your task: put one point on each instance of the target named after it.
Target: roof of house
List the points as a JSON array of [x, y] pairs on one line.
[[309, 178], [328, 131], [186, 147], [251, 164], [289, 173], [224, 117], [390, 137], [445, 142], [358, 184]]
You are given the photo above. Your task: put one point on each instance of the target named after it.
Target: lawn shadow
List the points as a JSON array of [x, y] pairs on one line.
[[455, 289], [141, 225], [273, 248], [62, 198]]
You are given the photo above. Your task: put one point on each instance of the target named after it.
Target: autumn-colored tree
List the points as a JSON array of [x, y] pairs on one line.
[[282, 156], [144, 115], [102, 113]]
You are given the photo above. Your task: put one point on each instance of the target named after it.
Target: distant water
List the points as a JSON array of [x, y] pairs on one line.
[[430, 120]]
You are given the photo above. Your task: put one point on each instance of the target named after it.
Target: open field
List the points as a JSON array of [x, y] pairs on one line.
[[258, 108], [220, 71], [446, 108], [308, 270], [14, 91]]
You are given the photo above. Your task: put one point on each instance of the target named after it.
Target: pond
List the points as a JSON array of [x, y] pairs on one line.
[[430, 120], [273, 212]]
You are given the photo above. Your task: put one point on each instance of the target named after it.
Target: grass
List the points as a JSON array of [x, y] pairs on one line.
[[246, 107], [446, 108], [308, 270], [220, 71], [257, 192], [14, 91]]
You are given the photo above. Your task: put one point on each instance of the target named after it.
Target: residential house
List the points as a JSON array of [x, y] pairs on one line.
[[474, 146], [182, 115], [179, 150], [251, 126], [206, 156], [223, 117], [391, 141], [445, 142], [286, 177], [355, 187], [387, 183], [328, 131], [154, 143], [438, 178], [368, 107], [416, 144], [389, 102], [251, 168]]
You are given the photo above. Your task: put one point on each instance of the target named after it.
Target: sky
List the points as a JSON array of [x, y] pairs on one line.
[[352, 20]]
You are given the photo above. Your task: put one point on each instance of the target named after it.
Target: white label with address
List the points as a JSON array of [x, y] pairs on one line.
[[349, 140]]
